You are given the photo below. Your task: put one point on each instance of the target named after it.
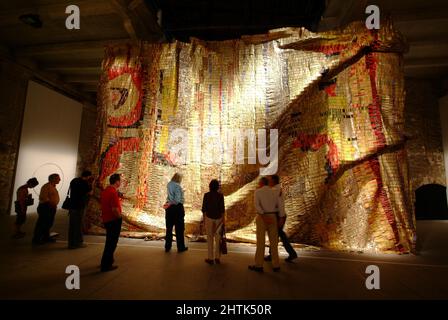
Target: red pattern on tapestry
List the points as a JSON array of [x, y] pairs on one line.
[[134, 114], [329, 49], [111, 157], [377, 126], [220, 94], [381, 195], [375, 107], [316, 141], [331, 90]]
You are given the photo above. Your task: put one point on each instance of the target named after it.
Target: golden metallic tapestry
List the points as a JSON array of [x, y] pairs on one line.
[[336, 99]]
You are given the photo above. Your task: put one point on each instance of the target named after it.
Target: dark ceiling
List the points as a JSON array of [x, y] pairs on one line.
[[229, 19], [71, 59]]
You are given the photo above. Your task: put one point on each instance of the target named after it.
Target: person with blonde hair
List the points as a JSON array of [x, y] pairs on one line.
[[174, 214], [213, 209]]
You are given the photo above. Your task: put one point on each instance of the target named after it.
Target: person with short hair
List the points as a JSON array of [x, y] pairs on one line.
[[111, 215], [24, 199], [46, 210], [80, 189], [281, 219], [213, 209], [175, 214], [267, 204]]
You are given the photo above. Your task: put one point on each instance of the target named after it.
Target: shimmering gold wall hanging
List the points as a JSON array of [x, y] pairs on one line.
[[337, 99]]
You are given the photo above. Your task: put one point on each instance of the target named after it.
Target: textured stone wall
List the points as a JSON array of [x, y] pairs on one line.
[[425, 147], [443, 110], [13, 85], [87, 139]]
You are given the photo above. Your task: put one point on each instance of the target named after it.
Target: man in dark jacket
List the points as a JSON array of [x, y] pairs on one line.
[[80, 189]]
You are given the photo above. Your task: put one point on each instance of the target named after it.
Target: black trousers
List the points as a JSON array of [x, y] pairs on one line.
[[75, 238], [113, 229], [285, 242], [174, 217], [44, 222]]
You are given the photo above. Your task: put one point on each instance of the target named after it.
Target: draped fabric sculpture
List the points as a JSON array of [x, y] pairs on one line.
[[336, 99]]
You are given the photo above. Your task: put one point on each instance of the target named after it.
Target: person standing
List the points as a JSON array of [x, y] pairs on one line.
[[213, 209], [24, 199], [111, 215], [175, 214], [80, 189], [266, 204], [46, 210], [274, 182]]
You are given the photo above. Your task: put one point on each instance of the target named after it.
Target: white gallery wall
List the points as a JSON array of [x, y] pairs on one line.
[[49, 140], [443, 109]]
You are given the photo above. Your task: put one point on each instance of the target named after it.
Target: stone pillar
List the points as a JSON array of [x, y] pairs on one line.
[[443, 110], [423, 126], [13, 87], [87, 139]]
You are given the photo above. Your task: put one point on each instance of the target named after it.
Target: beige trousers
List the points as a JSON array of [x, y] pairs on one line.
[[271, 228], [213, 238]]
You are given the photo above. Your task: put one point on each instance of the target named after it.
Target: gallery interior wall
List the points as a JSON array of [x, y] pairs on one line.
[[49, 138], [423, 128], [443, 109], [13, 89]]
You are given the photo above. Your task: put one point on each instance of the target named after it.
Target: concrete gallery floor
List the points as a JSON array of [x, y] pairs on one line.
[[147, 272]]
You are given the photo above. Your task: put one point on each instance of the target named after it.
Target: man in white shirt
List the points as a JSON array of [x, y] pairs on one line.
[[275, 185], [267, 206]]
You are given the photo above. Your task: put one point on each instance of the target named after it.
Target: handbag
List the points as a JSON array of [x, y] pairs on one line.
[[17, 208], [29, 200], [166, 205], [67, 202], [223, 241]]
